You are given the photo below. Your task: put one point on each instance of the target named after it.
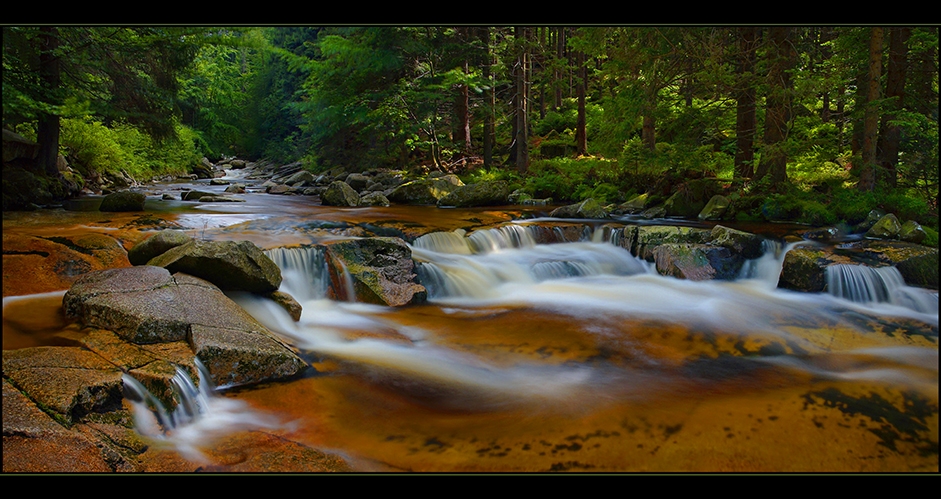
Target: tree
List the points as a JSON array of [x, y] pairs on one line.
[[891, 132], [745, 97], [867, 176], [780, 58]]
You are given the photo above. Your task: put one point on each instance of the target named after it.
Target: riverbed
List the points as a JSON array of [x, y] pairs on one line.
[[527, 357]]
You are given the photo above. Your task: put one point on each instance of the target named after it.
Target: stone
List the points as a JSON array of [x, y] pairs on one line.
[[888, 227], [381, 270], [494, 193], [426, 191], [123, 201], [339, 193], [156, 245], [588, 208], [230, 265]]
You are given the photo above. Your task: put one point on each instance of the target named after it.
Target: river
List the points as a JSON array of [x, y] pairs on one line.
[[553, 357]]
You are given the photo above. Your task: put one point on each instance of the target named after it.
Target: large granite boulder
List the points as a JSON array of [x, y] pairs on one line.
[[230, 265], [380, 270], [697, 262], [888, 227]]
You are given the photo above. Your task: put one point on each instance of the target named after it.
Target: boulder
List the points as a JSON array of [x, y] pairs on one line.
[[744, 243], [339, 193], [156, 245], [804, 268], [357, 181], [374, 199], [888, 227], [494, 193], [697, 262], [123, 201], [651, 236], [716, 208], [380, 269], [195, 195], [426, 191], [588, 208], [912, 232], [230, 265]]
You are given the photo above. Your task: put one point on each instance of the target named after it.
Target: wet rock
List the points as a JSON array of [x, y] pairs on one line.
[[651, 236], [156, 245], [639, 203], [146, 305], [380, 268], [123, 201], [339, 194], [230, 265], [746, 244], [287, 302], [804, 268], [69, 381], [195, 195], [218, 181], [220, 199], [281, 189], [479, 194], [235, 189], [33, 442], [697, 262], [912, 232], [887, 227], [374, 199], [426, 191], [917, 263], [716, 208], [588, 208], [357, 181]]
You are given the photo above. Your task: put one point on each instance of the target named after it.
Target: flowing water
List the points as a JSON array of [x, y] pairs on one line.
[[572, 356]]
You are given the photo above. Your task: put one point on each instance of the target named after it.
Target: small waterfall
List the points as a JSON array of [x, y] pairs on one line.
[[192, 401], [198, 417], [767, 267], [864, 284], [303, 271]]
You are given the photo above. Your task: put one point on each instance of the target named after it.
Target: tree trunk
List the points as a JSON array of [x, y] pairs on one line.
[[745, 119], [581, 136], [522, 105], [490, 105], [778, 113], [50, 75], [867, 177], [890, 133]]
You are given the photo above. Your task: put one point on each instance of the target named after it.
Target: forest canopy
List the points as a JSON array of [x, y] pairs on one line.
[[835, 119]]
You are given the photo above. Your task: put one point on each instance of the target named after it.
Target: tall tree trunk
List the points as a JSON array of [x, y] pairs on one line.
[[560, 54], [522, 105], [50, 75], [648, 131], [581, 135], [778, 113], [489, 96], [745, 119], [890, 133], [867, 177]]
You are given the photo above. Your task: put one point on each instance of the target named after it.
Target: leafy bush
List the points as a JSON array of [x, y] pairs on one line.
[[92, 146], [574, 179]]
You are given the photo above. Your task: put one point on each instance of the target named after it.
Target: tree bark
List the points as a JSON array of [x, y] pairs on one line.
[[890, 133], [50, 75], [522, 105], [778, 113], [581, 135], [489, 96], [867, 177], [745, 119]]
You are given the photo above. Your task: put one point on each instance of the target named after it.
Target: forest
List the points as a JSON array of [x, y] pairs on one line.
[[813, 124]]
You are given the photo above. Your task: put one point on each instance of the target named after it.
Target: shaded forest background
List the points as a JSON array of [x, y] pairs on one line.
[[814, 124]]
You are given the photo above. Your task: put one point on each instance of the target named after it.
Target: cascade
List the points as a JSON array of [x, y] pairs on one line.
[[864, 284], [198, 417], [303, 271]]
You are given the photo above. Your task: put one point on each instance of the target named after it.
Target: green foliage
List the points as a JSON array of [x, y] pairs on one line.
[[568, 179], [93, 147]]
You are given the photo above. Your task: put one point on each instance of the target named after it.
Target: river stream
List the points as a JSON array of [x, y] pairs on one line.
[[555, 357]]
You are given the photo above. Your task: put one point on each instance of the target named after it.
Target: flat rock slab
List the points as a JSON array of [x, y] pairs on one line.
[[146, 305], [69, 381]]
